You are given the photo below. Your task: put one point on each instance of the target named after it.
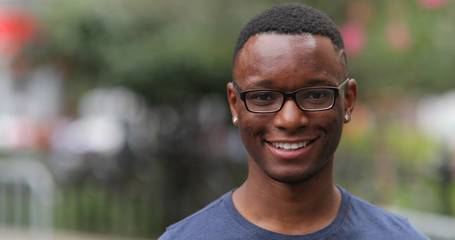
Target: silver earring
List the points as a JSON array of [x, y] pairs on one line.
[[347, 117], [235, 120]]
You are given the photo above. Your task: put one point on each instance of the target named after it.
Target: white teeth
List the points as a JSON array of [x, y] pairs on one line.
[[290, 146]]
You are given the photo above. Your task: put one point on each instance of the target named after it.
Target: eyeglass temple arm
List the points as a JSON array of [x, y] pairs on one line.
[[344, 83]]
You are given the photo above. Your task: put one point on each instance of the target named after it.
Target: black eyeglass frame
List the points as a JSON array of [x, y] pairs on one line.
[[286, 95]]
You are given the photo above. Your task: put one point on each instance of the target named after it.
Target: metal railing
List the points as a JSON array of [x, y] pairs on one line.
[[26, 197]]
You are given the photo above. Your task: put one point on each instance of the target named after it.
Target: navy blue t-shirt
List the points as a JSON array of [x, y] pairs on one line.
[[356, 219]]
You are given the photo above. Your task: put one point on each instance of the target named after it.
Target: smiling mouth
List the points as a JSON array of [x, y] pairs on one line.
[[290, 146]]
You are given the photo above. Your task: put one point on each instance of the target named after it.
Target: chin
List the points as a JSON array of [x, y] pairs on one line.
[[297, 175], [291, 178]]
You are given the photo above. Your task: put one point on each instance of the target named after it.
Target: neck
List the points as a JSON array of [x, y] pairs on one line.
[[289, 208]]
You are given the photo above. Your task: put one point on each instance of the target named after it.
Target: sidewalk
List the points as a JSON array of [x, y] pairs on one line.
[[25, 234]]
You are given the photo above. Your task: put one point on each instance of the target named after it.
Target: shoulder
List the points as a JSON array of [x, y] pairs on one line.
[[201, 225], [377, 222]]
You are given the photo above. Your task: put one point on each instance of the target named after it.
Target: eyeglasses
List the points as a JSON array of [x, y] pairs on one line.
[[308, 99]]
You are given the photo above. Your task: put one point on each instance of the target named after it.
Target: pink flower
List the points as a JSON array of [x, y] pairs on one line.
[[355, 37], [398, 35], [432, 4]]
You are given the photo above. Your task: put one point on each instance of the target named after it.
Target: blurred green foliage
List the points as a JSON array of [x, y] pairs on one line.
[[424, 67], [169, 50]]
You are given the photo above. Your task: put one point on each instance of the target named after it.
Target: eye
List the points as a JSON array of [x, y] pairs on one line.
[[315, 95], [262, 97]]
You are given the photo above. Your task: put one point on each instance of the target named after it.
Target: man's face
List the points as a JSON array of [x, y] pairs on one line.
[[288, 63]]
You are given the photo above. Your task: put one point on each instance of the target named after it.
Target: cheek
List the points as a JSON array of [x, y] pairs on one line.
[[336, 122], [333, 126], [250, 129], [330, 117], [331, 123], [336, 114]]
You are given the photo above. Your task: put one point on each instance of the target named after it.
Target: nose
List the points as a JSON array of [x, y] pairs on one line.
[[290, 117]]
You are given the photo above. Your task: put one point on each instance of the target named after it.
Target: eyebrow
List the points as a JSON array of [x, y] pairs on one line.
[[312, 81], [317, 81], [262, 83]]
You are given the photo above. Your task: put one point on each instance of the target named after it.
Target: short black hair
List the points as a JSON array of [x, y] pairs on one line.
[[293, 19]]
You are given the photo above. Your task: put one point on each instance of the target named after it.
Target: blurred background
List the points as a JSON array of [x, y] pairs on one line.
[[114, 119]]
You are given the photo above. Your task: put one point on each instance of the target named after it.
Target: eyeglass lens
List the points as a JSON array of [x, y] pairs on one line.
[[272, 100]]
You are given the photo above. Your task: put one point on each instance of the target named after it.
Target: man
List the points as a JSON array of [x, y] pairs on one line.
[[290, 97]]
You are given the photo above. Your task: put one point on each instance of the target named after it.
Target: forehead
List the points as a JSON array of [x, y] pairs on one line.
[[276, 45], [273, 56]]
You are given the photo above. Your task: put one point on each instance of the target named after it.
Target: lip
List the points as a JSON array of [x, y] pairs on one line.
[[290, 153]]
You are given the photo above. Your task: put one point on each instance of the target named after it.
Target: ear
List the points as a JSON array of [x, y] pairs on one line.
[[350, 95], [232, 98]]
